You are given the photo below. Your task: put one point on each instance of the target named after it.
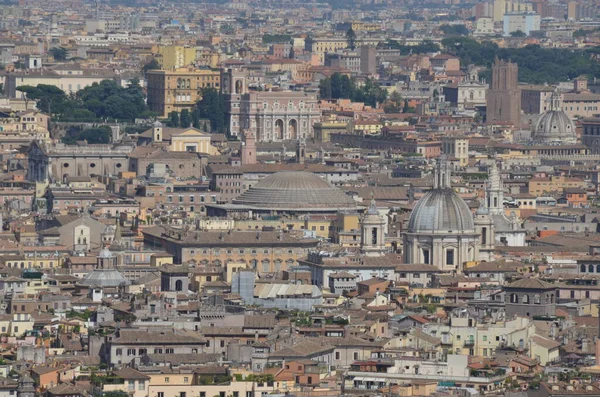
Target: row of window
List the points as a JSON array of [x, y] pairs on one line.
[[241, 251]]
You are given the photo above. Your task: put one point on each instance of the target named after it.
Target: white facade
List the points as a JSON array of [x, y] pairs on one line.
[[525, 22], [484, 27]]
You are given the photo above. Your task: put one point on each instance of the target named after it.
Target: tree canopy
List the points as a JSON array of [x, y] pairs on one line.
[[103, 100], [340, 86], [58, 53], [91, 135], [454, 30], [537, 65], [211, 107], [426, 46], [276, 38]]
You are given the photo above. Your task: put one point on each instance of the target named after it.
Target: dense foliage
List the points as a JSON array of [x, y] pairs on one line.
[[340, 86], [212, 108], [455, 30], [91, 135], [276, 38], [104, 100], [425, 47], [537, 65]]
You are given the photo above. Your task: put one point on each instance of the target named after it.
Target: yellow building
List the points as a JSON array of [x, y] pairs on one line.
[[178, 89], [358, 26], [175, 56], [502, 7], [367, 127]]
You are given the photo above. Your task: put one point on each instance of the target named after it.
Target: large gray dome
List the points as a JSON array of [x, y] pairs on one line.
[[295, 190], [554, 127], [441, 211]]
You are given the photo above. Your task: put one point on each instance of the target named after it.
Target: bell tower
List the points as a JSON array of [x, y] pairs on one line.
[[249, 148], [372, 236], [495, 191], [157, 132]]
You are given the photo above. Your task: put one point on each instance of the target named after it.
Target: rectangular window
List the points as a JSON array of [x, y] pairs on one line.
[[426, 256], [450, 257]]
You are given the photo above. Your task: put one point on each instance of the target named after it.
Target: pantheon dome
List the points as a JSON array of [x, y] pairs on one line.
[[554, 126], [293, 191]]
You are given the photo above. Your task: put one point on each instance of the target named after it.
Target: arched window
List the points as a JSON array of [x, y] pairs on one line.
[[551, 298], [178, 285], [525, 298], [591, 268], [597, 268], [582, 268], [514, 298], [536, 299]]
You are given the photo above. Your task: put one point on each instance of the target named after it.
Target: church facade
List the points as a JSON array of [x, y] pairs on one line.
[[272, 116]]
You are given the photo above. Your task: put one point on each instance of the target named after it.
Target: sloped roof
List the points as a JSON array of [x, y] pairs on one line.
[[530, 283]]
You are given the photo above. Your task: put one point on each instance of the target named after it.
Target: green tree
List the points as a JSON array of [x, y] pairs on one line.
[[108, 100], [195, 120], [58, 53], [276, 38], [50, 99], [174, 120], [351, 39], [212, 107], [325, 88], [185, 119], [394, 103], [456, 30], [152, 65], [91, 135]]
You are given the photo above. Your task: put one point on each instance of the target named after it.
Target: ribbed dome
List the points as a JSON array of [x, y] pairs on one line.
[[554, 127], [105, 278], [295, 190], [441, 210]]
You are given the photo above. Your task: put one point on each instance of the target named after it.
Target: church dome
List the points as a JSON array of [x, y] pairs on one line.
[[295, 190], [106, 278], [554, 126], [441, 210]]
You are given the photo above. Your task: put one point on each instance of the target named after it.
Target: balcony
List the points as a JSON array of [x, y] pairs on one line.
[[469, 342]]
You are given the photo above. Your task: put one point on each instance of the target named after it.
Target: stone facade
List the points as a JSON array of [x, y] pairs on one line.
[[529, 297], [504, 97], [57, 162], [270, 116]]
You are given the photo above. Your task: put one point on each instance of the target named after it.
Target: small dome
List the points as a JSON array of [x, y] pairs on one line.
[[105, 253], [554, 127], [295, 190], [107, 278], [441, 210]]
